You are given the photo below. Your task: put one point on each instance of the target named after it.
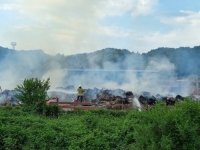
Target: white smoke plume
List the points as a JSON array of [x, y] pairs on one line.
[[110, 76]]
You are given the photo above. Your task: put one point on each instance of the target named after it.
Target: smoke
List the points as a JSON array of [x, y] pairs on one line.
[[150, 81], [110, 76], [56, 77], [5, 78], [16, 66], [161, 64], [158, 77], [123, 74]]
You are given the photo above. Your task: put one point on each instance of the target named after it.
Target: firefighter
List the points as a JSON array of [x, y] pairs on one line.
[[80, 93]]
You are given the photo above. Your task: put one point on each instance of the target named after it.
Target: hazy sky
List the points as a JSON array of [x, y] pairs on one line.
[[78, 26]]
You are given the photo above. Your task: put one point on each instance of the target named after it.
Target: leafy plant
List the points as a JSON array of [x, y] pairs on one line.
[[161, 128], [33, 94], [169, 128]]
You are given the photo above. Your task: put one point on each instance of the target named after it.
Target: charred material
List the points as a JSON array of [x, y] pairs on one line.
[[115, 102], [143, 99], [129, 94], [179, 98], [152, 101], [7, 98], [147, 102], [106, 98], [170, 101]]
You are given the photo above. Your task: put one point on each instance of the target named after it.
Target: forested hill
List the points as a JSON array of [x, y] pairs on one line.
[[185, 59], [35, 62]]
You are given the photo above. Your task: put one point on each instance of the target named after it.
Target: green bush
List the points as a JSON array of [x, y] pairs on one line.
[[33, 91], [53, 111], [161, 128], [33, 95], [169, 128]]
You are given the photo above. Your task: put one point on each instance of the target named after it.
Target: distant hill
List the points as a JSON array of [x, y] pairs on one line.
[[184, 61]]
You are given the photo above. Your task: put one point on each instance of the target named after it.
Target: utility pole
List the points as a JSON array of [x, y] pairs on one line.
[[13, 45]]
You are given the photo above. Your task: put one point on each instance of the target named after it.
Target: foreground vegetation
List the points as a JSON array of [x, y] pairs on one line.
[[35, 126], [160, 128]]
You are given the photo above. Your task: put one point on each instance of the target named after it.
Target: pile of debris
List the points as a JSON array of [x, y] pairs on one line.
[[109, 99], [116, 102], [7, 98], [148, 101], [120, 99]]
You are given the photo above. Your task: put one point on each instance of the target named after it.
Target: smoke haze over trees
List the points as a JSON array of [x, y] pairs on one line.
[[102, 68]]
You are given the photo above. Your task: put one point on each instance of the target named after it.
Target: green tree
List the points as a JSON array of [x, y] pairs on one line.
[[33, 94]]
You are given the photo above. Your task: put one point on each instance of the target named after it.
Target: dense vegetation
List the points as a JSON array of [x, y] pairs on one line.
[[162, 128]]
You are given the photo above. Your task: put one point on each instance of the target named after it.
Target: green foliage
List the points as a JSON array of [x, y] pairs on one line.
[[74, 130], [169, 128], [160, 128], [33, 91], [53, 111], [33, 95]]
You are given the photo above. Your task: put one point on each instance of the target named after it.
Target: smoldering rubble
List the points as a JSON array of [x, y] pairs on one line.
[[108, 98]]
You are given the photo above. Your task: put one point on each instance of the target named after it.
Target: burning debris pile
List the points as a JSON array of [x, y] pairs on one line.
[[121, 99], [110, 99], [149, 101], [7, 98]]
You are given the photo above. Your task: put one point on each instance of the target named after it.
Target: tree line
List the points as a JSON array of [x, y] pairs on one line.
[[185, 60]]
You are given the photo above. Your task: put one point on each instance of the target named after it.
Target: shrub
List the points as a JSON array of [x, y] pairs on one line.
[[33, 94], [53, 111], [169, 128]]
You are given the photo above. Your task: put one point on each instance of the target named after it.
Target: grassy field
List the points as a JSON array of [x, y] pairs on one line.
[[160, 128]]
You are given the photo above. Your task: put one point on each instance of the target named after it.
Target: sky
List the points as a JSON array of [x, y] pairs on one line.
[[83, 26]]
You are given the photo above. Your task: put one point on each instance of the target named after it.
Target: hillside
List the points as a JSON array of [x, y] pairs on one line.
[[181, 62]]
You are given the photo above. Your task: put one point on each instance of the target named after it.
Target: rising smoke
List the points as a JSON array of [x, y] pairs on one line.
[[128, 80], [29, 64]]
